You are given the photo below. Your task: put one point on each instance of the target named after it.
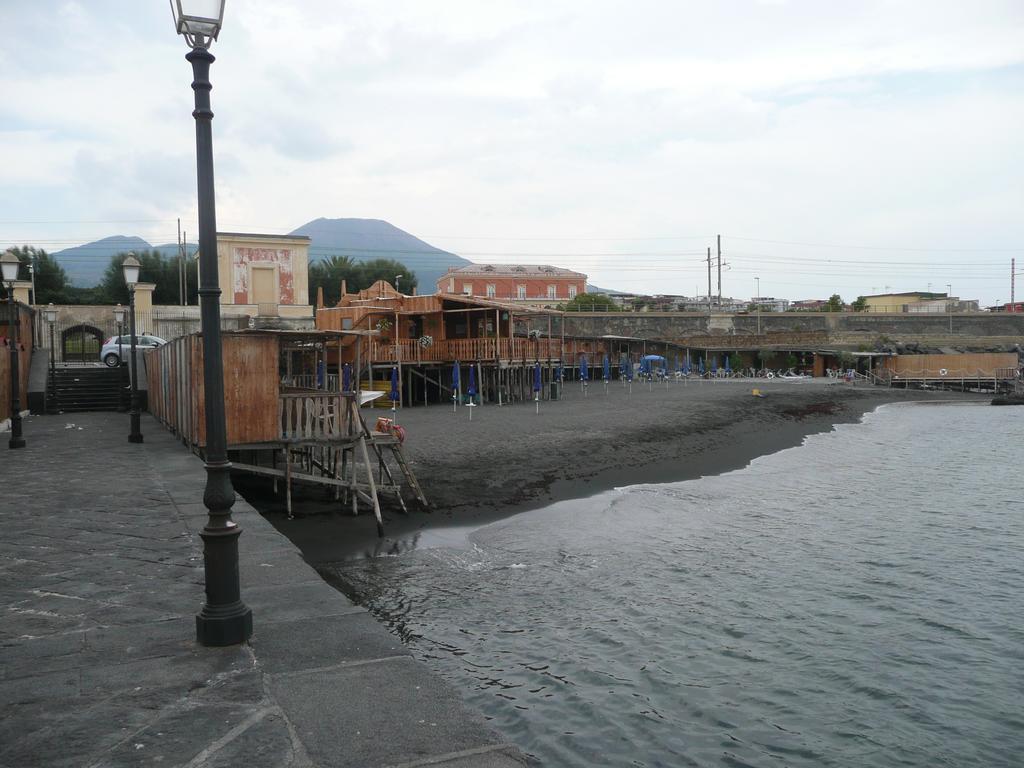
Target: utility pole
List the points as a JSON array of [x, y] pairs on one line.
[[709, 280], [181, 268], [719, 272], [1013, 278]]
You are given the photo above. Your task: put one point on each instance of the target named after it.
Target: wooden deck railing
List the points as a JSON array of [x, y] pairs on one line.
[[446, 351], [305, 416]]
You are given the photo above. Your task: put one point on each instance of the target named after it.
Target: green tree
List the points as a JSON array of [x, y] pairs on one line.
[[589, 302], [51, 281], [156, 268], [860, 304], [329, 273], [835, 303], [370, 272]]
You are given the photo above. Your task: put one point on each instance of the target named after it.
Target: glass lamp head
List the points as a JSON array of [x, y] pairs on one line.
[[198, 21], [119, 313], [50, 313], [131, 266], [9, 265]]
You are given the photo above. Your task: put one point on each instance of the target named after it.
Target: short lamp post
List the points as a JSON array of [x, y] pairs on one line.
[[224, 618], [119, 314], [10, 264], [397, 278], [131, 267], [50, 316]]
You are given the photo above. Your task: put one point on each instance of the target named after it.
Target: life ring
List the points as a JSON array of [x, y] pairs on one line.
[[399, 432], [771, 375], [943, 371]]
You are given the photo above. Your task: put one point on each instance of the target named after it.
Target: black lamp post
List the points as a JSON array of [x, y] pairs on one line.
[[130, 266], [9, 264], [224, 618], [119, 313], [50, 316]]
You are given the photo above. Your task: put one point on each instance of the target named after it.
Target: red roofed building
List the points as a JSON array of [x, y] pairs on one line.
[[535, 284]]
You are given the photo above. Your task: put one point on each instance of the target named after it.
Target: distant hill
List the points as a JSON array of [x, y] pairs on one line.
[[84, 264], [366, 239]]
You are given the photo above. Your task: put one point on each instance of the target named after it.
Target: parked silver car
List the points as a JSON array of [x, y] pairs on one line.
[[111, 355]]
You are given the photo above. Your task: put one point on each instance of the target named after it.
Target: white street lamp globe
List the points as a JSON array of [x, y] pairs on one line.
[[119, 313], [131, 266], [198, 20], [50, 313], [10, 264]]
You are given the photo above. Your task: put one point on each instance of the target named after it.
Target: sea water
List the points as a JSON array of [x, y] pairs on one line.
[[855, 601]]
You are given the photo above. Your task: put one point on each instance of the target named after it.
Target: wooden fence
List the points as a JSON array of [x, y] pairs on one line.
[[26, 317], [985, 365], [251, 388]]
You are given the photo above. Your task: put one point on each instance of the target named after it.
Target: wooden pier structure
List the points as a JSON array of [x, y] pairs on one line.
[[286, 416], [424, 336]]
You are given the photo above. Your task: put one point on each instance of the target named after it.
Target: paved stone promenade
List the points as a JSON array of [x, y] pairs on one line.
[[100, 579]]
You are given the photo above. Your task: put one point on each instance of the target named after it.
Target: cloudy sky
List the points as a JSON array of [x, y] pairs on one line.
[[837, 147]]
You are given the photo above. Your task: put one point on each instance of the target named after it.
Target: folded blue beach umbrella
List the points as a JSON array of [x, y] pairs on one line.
[[584, 370], [346, 378], [700, 365], [714, 365], [629, 370], [536, 378], [607, 369], [394, 384], [558, 372], [472, 382], [728, 368], [321, 374]]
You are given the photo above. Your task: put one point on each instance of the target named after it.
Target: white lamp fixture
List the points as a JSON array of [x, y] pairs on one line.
[[50, 313], [119, 313], [131, 266], [198, 20], [10, 265]]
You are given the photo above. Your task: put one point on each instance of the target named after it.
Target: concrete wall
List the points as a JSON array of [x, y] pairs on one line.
[[658, 325]]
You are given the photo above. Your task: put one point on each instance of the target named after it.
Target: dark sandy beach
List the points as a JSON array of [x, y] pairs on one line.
[[509, 459]]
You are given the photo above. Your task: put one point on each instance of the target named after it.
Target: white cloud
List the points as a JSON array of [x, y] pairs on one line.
[[861, 123]]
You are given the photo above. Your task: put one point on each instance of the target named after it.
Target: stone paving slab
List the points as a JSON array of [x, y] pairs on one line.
[[101, 574]]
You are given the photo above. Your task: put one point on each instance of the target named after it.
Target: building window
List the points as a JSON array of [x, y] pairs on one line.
[[552, 291], [490, 290], [572, 291], [521, 291], [467, 288]]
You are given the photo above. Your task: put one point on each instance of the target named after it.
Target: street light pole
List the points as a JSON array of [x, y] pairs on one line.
[[224, 618], [757, 280], [949, 304], [131, 268], [119, 312], [50, 316], [9, 265]]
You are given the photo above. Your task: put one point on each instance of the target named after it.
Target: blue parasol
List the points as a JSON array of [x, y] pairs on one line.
[[584, 370], [471, 390], [346, 378], [714, 366], [728, 368], [455, 385], [394, 386], [607, 369], [700, 365], [536, 385], [321, 374]]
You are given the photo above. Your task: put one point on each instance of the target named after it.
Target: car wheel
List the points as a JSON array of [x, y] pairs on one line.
[[111, 360]]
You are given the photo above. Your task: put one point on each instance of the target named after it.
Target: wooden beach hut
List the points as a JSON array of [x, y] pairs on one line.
[[285, 414]]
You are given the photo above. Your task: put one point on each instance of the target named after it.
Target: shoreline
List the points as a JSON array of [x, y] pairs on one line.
[[510, 460]]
